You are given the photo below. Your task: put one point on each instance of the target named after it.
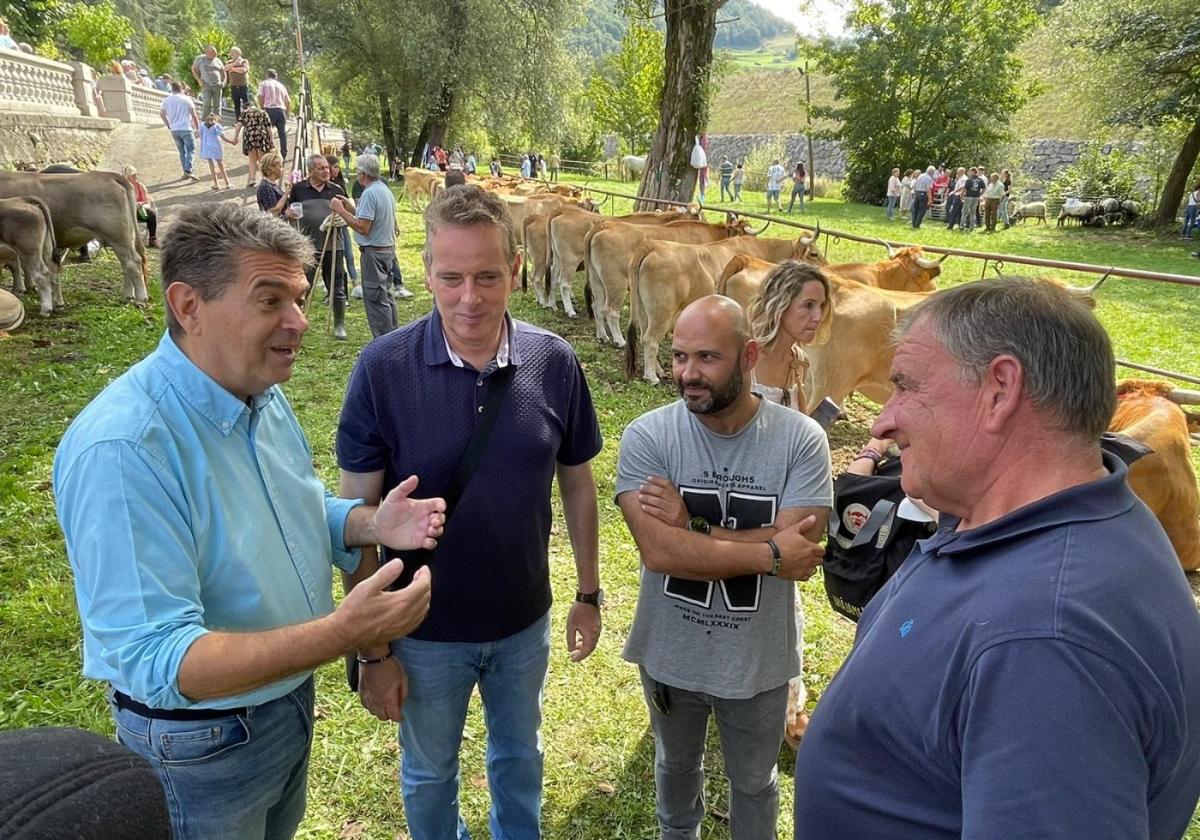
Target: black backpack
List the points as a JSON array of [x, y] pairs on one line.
[[867, 540]]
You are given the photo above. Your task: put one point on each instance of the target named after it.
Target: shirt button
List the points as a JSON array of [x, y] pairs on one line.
[[224, 424]]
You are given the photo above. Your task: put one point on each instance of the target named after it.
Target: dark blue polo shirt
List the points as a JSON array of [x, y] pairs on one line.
[[410, 411], [1036, 677]]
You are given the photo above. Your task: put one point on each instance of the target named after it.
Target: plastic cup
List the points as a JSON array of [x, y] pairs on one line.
[[297, 209]]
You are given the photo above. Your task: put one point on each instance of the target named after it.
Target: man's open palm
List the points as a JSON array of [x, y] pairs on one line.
[[402, 522]]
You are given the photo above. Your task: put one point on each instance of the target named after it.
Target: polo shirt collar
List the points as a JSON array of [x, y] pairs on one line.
[[438, 352], [1096, 500], [201, 391]]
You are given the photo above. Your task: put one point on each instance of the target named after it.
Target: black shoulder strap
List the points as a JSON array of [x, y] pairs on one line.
[[496, 386]]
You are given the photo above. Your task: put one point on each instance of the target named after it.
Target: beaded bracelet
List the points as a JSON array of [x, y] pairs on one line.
[[873, 455]]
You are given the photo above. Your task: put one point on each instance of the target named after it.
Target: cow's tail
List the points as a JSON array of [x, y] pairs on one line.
[[738, 263], [635, 312], [525, 274], [587, 272], [49, 243]]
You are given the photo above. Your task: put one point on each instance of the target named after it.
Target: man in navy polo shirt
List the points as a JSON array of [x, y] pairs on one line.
[[413, 399], [1031, 670]]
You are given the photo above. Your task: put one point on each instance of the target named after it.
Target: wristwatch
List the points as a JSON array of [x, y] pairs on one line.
[[594, 598], [699, 525]]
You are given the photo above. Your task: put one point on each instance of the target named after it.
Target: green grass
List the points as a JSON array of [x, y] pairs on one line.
[[599, 754]]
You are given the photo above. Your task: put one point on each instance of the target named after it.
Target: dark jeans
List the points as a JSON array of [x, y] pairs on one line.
[[920, 205], [954, 206], [331, 272], [278, 119], [241, 99], [151, 222]]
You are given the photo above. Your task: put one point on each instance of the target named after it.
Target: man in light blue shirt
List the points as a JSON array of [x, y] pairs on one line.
[[203, 542], [374, 226]]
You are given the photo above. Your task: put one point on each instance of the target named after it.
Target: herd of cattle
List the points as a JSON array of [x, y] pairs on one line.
[[45, 214], [663, 261]]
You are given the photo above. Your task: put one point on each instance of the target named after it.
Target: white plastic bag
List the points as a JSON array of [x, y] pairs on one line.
[[699, 158]]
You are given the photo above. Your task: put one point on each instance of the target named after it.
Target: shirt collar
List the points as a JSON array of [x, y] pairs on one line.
[[439, 352], [201, 391], [1096, 500]]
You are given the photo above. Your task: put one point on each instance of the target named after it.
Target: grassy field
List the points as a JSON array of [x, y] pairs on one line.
[[599, 753]]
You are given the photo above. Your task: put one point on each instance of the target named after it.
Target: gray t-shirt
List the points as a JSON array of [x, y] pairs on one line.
[[211, 70], [732, 638]]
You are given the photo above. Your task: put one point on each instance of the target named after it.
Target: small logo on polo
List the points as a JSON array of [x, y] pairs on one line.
[[905, 627]]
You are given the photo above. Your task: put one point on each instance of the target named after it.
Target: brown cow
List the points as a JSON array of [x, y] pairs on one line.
[[85, 206], [421, 185], [568, 232], [1148, 412], [667, 276], [27, 247], [905, 271], [607, 251]]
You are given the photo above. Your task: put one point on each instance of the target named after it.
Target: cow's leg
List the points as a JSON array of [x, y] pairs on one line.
[[131, 264], [44, 281], [599, 302], [14, 265], [614, 326], [565, 291]]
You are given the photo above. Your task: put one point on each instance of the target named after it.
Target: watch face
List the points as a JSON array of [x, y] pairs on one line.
[[699, 524]]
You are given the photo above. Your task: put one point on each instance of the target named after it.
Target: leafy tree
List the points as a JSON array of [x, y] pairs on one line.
[[1095, 175], [920, 81], [1145, 71], [626, 88], [97, 31], [33, 21], [160, 54]]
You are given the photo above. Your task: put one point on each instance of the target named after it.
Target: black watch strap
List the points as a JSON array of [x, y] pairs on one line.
[[594, 598]]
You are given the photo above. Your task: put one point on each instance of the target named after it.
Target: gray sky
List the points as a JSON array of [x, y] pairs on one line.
[[824, 16]]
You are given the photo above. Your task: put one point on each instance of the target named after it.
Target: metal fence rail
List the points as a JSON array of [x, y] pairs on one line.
[[997, 261]]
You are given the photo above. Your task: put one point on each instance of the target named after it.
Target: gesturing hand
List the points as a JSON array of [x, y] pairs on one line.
[[402, 522], [583, 630], [658, 497], [372, 616]]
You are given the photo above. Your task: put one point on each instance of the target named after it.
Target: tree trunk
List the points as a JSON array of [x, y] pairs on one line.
[[683, 109], [385, 124], [1176, 186], [439, 118]]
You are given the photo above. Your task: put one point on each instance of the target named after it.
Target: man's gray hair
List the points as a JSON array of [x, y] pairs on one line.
[[367, 165], [316, 157], [1066, 356], [204, 245], [464, 206]]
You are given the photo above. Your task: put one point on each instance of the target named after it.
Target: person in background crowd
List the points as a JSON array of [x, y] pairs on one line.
[[941, 184], [336, 177], [555, 165], [202, 541], [431, 162], [525, 166], [972, 192], [209, 72], [954, 199], [443, 159], [799, 185], [1191, 212], [739, 178], [130, 72], [178, 113], [472, 163], [1059, 706], [495, 168], [163, 83], [212, 135], [993, 194], [906, 192], [237, 71], [374, 225], [541, 163], [457, 158], [272, 199], [346, 153], [725, 173], [894, 187], [316, 195], [146, 211], [455, 177], [26, 48], [1006, 180], [256, 141], [922, 191], [274, 99], [775, 176], [6, 38]]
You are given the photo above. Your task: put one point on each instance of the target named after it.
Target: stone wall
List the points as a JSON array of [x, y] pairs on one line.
[[31, 141], [828, 158]]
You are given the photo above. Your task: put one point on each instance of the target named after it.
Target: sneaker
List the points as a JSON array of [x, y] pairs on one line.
[[356, 293], [401, 293], [190, 176], [153, 243]]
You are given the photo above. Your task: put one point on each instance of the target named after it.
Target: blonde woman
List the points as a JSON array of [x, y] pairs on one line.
[[791, 310], [271, 199]]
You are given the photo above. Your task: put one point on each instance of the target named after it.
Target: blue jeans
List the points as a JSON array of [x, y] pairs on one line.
[[892, 200], [920, 205], [1190, 219], [240, 776], [185, 142], [348, 256], [797, 190], [511, 674]]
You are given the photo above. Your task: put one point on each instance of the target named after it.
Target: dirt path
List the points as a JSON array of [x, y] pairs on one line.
[[151, 149]]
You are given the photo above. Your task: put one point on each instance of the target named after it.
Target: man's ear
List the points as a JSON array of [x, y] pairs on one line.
[[1002, 389], [750, 354], [184, 303]]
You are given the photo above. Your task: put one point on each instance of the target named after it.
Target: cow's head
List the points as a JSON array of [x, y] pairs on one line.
[[920, 271], [806, 248], [738, 227]]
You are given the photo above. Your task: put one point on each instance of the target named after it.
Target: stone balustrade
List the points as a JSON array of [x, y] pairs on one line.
[[127, 102], [35, 84]]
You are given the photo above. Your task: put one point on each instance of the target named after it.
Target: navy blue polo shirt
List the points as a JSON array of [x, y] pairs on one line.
[[1036, 677], [410, 411]]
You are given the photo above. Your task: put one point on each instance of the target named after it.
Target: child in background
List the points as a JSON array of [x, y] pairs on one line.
[[212, 135]]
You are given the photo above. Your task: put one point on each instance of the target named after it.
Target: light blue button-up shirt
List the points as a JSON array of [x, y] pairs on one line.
[[185, 511]]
